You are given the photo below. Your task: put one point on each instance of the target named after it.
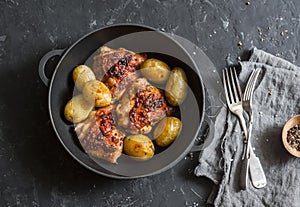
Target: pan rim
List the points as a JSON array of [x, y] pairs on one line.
[[171, 164]]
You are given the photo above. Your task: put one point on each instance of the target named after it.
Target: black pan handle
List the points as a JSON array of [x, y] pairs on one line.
[[209, 137], [43, 62]]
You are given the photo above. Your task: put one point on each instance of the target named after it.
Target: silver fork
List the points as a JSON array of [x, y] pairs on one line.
[[233, 96], [257, 174]]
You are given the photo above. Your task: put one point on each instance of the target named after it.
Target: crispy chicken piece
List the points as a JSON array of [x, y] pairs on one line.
[[117, 69], [106, 59], [99, 136], [141, 107]]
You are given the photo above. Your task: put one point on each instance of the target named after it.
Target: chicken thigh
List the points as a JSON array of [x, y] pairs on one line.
[[99, 136], [117, 69], [141, 107]]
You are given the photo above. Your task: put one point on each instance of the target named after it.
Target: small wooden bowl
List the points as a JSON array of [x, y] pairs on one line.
[[288, 125]]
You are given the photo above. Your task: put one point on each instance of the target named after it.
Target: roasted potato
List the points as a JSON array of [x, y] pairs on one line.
[[139, 146], [166, 131], [81, 75], [77, 109], [97, 93], [176, 88], [155, 71]]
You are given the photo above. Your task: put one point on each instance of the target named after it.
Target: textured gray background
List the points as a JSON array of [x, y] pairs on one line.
[[35, 169]]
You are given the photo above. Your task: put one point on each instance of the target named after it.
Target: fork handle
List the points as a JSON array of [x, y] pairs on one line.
[[257, 174], [244, 170], [244, 127], [245, 160]]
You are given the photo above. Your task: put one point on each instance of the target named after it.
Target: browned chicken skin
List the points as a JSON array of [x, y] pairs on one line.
[[106, 59], [117, 69], [99, 136], [141, 107]]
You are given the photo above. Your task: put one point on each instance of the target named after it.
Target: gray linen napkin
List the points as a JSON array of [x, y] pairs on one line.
[[276, 99]]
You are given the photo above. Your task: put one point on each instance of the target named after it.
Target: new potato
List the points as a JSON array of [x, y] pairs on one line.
[[155, 70], [166, 131], [81, 75], [176, 88], [97, 93], [77, 109], [139, 146]]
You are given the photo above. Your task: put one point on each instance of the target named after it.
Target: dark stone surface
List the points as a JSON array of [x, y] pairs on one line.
[[35, 168]]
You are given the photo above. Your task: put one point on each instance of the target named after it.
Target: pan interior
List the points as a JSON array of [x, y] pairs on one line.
[[190, 112]]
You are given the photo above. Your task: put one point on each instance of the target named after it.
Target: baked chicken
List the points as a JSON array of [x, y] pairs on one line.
[[99, 136], [141, 106], [117, 69]]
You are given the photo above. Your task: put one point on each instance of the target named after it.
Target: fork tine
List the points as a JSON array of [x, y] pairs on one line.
[[236, 85], [251, 87], [225, 86], [251, 84], [231, 98]]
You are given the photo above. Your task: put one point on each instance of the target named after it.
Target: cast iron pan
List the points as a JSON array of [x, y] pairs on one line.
[[136, 38]]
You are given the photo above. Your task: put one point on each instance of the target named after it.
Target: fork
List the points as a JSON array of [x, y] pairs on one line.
[[257, 174], [233, 96]]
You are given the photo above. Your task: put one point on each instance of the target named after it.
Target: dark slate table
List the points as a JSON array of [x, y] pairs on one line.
[[35, 168]]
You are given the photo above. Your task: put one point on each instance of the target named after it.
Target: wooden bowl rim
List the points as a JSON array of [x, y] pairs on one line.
[[289, 124]]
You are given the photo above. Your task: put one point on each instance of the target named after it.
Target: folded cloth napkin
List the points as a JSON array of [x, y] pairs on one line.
[[275, 100]]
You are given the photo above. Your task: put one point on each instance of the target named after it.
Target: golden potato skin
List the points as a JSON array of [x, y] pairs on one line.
[[176, 88], [166, 131], [155, 71], [81, 75], [139, 146], [97, 93], [77, 109]]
